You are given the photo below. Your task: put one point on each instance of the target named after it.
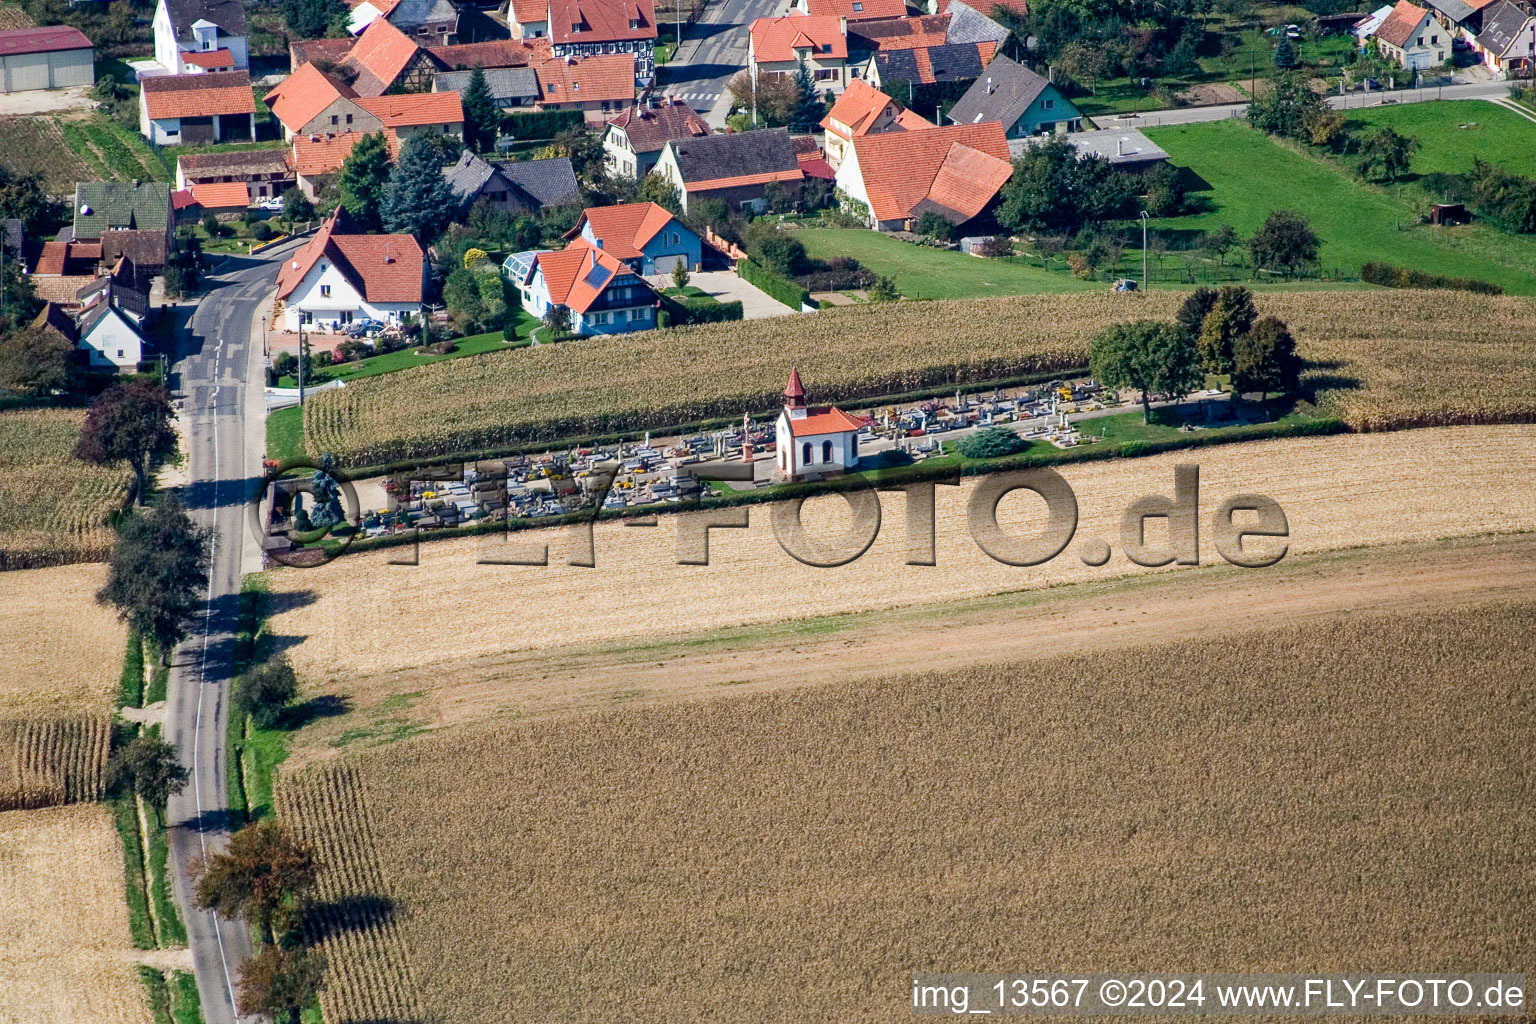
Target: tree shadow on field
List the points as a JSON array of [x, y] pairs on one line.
[[277, 602], [326, 705], [1321, 376], [330, 918]]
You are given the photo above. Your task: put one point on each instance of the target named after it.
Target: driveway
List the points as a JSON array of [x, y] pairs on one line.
[[46, 101], [725, 286]]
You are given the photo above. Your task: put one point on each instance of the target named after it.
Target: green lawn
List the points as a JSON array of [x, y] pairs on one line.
[[1495, 134], [285, 433], [1251, 175], [922, 272], [407, 357]]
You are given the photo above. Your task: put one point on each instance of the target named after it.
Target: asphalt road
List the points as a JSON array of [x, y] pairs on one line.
[[714, 49], [1348, 101], [215, 358]]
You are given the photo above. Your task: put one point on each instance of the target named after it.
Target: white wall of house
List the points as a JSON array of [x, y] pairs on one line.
[[842, 446], [362, 16], [325, 299], [114, 342], [168, 50], [166, 131], [529, 30]]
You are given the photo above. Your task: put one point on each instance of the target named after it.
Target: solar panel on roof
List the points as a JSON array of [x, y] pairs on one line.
[[598, 276]]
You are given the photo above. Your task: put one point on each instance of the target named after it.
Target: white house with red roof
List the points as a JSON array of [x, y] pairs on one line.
[[603, 294], [343, 275], [193, 110], [192, 36], [814, 443], [778, 46], [864, 110]]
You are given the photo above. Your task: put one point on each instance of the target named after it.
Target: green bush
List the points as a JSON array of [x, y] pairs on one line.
[[262, 231], [786, 291], [1388, 276], [991, 443], [540, 124]]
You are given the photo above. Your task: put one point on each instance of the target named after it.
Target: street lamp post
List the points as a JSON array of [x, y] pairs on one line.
[[1143, 250]]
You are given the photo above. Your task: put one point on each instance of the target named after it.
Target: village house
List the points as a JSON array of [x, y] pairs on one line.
[[318, 157], [1412, 39], [1023, 102], [528, 19], [813, 443], [853, 10], [384, 58], [928, 65], [408, 114], [953, 172], [342, 275], [228, 199], [633, 141], [311, 100], [511, 88], [737, 168], [49, 57], [111, 337], [597, 86], [55, 319], [121, 218], [199, 35], [863, 110], [603, 295], [1507, 42], [778, 46], [587, 28], [518, 186], [194, 110], [265, 172], [426, 20], [644, 236]]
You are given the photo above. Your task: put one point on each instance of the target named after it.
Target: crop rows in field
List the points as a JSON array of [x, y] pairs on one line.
[[355, 921], [1380, 360], [37, 144], [51, 761], [797, 855], [54, 509]]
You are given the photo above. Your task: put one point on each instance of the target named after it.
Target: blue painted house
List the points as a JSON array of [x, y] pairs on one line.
[[604, 295], [647, 238], [1020, 100]]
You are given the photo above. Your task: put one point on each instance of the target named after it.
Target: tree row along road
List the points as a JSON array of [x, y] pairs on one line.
[[215, 360], [1348, 101]]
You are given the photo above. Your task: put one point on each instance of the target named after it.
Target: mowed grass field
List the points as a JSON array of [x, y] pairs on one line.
[[54, 509], [467, 643], [920, 271], [1380, 360], [1305, 798], [65, 953], [1251, 175], [1452, 133]]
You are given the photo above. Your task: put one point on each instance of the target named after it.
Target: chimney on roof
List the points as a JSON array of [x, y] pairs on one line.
[[842, 22], [389, 256], [990, 86]]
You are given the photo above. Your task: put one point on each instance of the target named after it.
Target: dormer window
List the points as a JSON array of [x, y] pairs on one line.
[[857, 7], [634, 22], [826, 47], [575, 29]]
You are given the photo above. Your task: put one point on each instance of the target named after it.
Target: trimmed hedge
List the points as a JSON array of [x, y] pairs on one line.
[[786, 291], [1401, 277], [541, 124], [676, 312]]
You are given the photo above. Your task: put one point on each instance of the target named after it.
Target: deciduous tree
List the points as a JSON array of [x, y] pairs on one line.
[[266, 875], [281, 981], [148, 766], [37, 361], [1385, 154], [129, 422], [1264, 359], [1285, 243], [157, 574], [1148, 356], [1286, 108], [1229, 318], [265, 692], [364, 179]]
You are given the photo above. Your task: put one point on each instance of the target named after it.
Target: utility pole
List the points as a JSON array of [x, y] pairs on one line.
[[301, 360], [1143, 250]]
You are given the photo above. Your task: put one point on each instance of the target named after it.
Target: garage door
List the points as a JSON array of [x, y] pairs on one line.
[[26, 71], [664, 264], [72, 67]]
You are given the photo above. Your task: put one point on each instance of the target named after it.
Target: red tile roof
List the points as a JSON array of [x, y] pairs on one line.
[[905, 33], [322, 154], [779, 39], [384, 7], [216, 92], [650, 129], [218, 195], [817, 168], [959, 167], [382, 52], [743, 180], [302, 51], [209, 60], [601, 21], [383, 268], [414, 108], [823, 421], [858, 10], [1400, 24], [45, 39], [492, 53], [526, 12], [182, 199], [607, 76], [860, 106], [568, 274], [623, 229], [299, 98]]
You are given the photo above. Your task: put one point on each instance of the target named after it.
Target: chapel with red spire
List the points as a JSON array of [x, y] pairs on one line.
[[814, 442]]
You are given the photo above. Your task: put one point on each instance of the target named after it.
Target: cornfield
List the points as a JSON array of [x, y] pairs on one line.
[[470, 626], [65, 951], [1380, 360], [54, 509], [798, 855], [63, 652], [355, 920], [45, 762]]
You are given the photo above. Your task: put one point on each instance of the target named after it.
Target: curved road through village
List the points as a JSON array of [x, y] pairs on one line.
[[215, 359]]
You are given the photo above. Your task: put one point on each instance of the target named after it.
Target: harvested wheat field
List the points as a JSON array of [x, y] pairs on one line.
[[1267, 800], [451, 627], [63, 652], [54, 509], [65, 955], [1380, 360]]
